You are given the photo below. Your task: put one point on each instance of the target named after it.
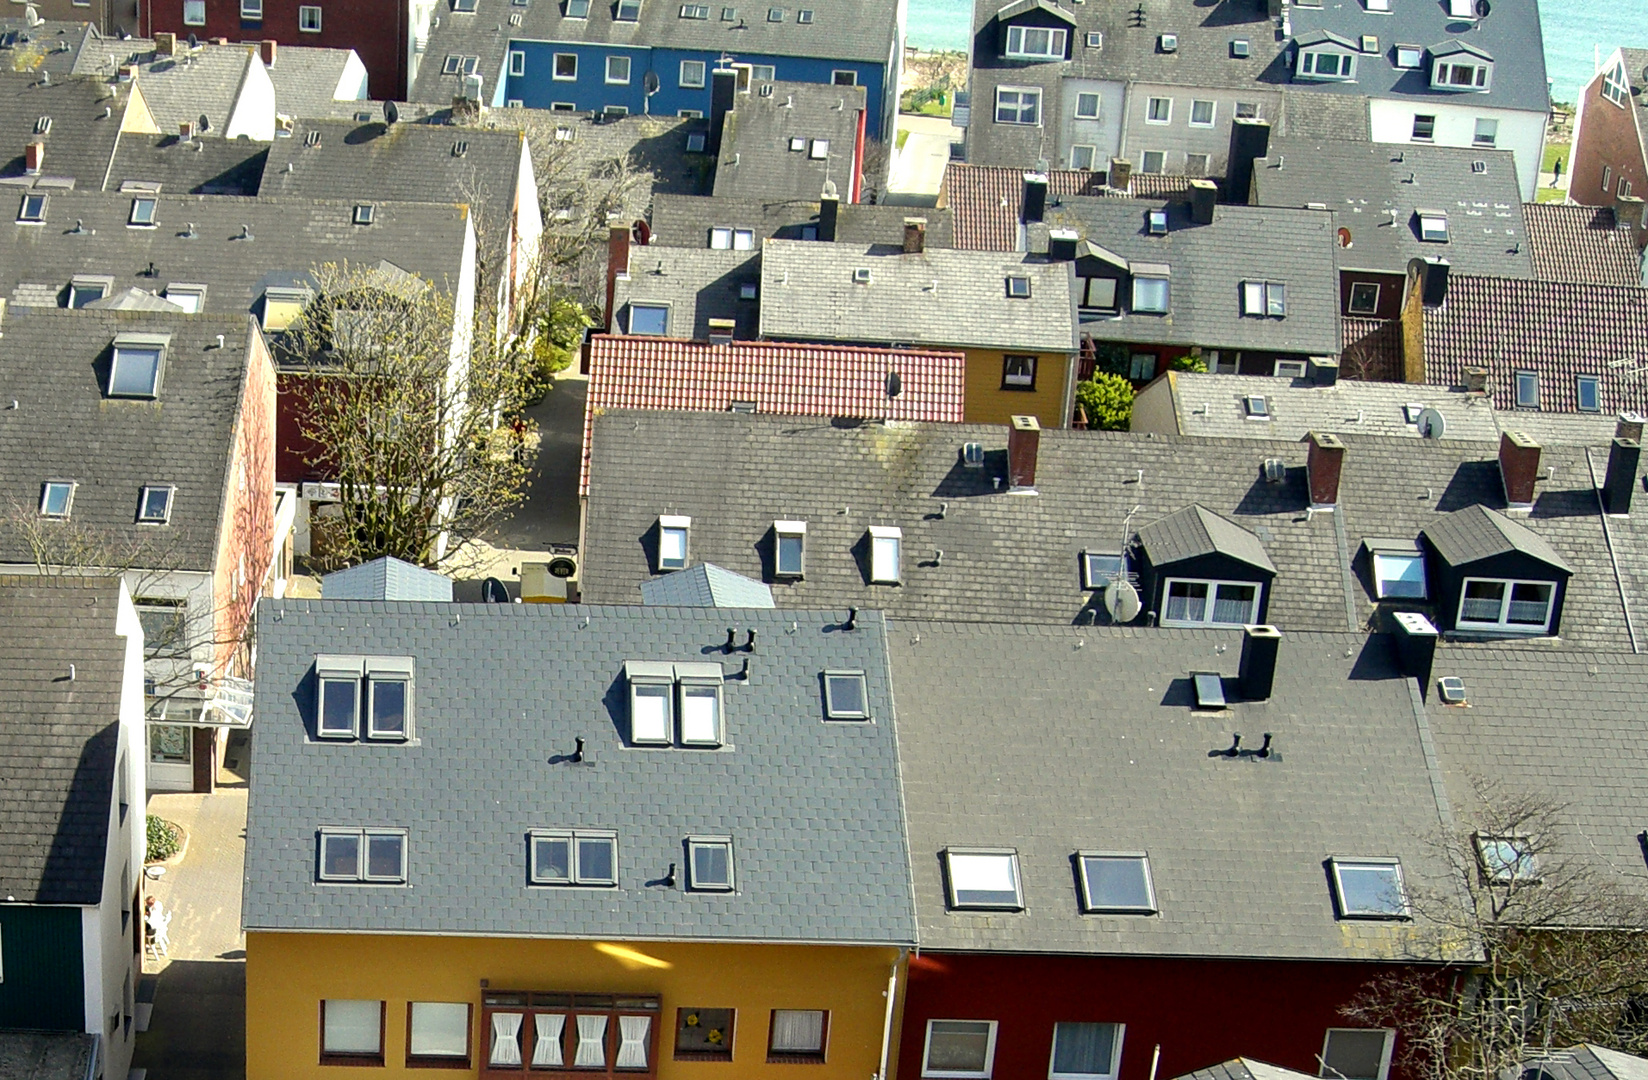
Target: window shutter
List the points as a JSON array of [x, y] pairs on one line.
[[546, 1049], [506, 1039]]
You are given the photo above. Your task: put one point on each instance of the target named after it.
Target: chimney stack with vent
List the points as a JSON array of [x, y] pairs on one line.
[[617, 261], [1061, 244], [1324, 370], [1121, 174], [34, 156], [1204, 195], [1035, 197], [723, 88], [1249, 141], [1023, 441], [1436, 282], [1260, 645], [1415, 641], [1322, 467], [267, 49], [165, 44], [1628, 426], [1518, 468], [915, 235], [1622, 476], [829, 208], [1476, 380]]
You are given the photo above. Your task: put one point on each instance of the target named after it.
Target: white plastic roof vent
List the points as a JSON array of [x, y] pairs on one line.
[[1452, 689]]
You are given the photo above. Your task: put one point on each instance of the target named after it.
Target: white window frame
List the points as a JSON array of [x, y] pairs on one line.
[[1344, 64], [38, 199], [1150, 116], [251, 9], [1410, 57], [818, 149], [85, 284], [1081, 99], [1433, 227], [1480, 78], [668, 526], [576, 876], [953, 903], [1212, 113], [795, 531], [1380, 578], [1384, 1057], [1212, 601], [628, 11], [1371, 309], [843, 77], [348, 671], [1027, 98], [517, 63], [1167, 296], [629, 69], [700, 681], [886, 554], [379, 671], [832, 711], [165, 516], [1057, 42], [651, 677], [1266, 299], [649, 305], [1595, 383], [1160, 157], [555, 71], [689, 82], [196, 8], [1501, 624], [959, 1074], [1521, 400], [190, 297], [1115, 1053], [304, 11], [135, 346], [1090, 907], [763, 73], [693, 884], [46, 490], [1340, 861], [1290, 369]]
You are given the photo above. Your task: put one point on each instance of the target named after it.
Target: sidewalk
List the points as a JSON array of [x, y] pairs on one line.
[[918, 168]]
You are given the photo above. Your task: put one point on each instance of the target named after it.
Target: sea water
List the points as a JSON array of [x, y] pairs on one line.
[[1578, 33]]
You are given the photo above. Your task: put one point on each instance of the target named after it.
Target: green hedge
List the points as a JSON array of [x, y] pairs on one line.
[[164, 839]]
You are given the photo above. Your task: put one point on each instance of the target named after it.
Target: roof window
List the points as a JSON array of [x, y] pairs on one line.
[[728, 238], [672, 542], [364, 212], [282, 305], [650, 319], [389, 698], [1240, 49], [700, 703], [695, 11], [983, 878], [651, 702], [1168, 43], [1506, 860], [818, 149], [154, 504], [1382, 6], [1018, 287], [56, 498], [1116, 883], [574, 857], [861, 275], [1433, 226], [1150, 290], [695, 142], [33, 209], [85, 288], [1369, 888], [1158, 222], [628, 11], [1527, 389], [748, 290], [577, 9], [804, 16], [1100, 568], [1588, 393], [369, 856], [191, 298], [464, 5], [1264, 298], [709, 864], [789, 548], [42, 126], [1452, 690], [142, 214], [845, 696], [1210, 690], [886, 544], [337, 715], [1256, 407], [1370, 43], [1410, 56], [1398, 574], [135, 369]]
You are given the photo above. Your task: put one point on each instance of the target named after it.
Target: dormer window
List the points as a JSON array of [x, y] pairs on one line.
[[135, 369], [789, 549], [983, 879], [672, 542], [1519, 607], [886, 543], [1211, 603], [1461, 72], [85, 288], [1327, 65], [1036, 43]]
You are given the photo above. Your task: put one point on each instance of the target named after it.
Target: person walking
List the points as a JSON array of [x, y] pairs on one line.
[[1556, 173]]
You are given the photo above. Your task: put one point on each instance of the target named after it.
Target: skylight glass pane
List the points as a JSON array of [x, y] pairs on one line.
[[845, 696], [385, 856], [701, 715], [1399, 575], [136, 371], [1099, 569], [1355, 1054], [711, 865], [1117, 883], [1083, 1050], [1370, 888], [340, 856], [388, 707], [157, 503], [1506, 858], [649, 713], [1253, 298], [1589, 394], [672, 547], [1276, 299], [983, 879], [597, 860], [337, 712], [1527, 389], [789, 554], [884, 559], [650, 319], [552, 858]]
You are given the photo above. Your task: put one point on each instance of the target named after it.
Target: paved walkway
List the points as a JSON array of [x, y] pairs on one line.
[[918, 168], [197, 1028]]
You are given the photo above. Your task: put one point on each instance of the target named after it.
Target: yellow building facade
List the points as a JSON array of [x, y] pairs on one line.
[[688, 989], [1000, 385]]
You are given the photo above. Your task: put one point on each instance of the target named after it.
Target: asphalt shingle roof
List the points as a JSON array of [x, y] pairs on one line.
[[1196, 531], [1582, 244], [80, 142], [1104, 736], [813, 807], [58, 738], [943, 297], [776, 377], [757, 159], [200, 166], [1557, 329]]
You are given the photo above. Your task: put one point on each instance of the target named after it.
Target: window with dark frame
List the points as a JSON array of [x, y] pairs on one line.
[[1364, 298], [1018, 372], [704, 1034], [351, 1032], [574, 857], [362, 856], [798, 1035], [438, 1034]]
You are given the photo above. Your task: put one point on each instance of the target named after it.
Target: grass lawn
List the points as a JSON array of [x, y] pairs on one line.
[[1550, 194], [903, 137], [1554, 150]]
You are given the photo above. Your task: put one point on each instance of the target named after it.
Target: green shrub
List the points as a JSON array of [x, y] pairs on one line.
[[1190, 363], [164, 839], [1107, 399]]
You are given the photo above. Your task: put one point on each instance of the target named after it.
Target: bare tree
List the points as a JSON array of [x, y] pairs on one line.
[[412, 409], [1560, 953]]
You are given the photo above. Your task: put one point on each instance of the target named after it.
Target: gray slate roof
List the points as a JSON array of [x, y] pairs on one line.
[[937, 297], [1104, 739], [58, 739], [54, 363], [1196, 531], [1587, 1061], [697, 284], [80, 142], [387, 578], [757, 161], [208, 85], [200, 167], [290, 236], [1476, 533], [686, 220], [1208, 265], [813, 808], [706, 585], [1364, 183]]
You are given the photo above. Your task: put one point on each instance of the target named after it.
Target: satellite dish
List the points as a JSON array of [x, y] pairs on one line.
[[562, 567], [1431, 424], [493, 591], [1483, 9], [895, 384], [1344, 237], [1121, 599], [391, 112], [649, 81], [205, 123], [194, 41]]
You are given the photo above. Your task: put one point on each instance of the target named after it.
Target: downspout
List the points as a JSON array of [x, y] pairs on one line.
[[887, 1022]]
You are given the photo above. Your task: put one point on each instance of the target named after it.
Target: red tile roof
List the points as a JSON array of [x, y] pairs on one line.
[[984, 200], [1558, 330], [779, 377], [1373, 349], [1580, 243]]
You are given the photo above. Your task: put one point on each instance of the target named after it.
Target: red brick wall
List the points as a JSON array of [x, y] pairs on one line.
[[376, 29], [1607, 139], [246, 542]]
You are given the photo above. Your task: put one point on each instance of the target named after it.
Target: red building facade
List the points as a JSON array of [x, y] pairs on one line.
[[1607, 160]]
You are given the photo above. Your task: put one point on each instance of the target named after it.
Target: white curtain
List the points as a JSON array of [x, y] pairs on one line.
[[592, 1040], [506, 1039], [798, 1030], [547, 1049], [354, 1027], [439, 1029], [632, 1049]]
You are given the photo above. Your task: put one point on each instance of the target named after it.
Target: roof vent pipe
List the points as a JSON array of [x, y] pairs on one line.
[[1415, 643], [1622, 475], [1257, 673]]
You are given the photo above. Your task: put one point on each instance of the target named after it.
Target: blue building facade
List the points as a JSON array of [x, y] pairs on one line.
[[594, 77]]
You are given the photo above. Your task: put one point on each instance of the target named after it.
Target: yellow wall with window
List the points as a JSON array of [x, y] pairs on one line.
[[288, 974], [992, 399]]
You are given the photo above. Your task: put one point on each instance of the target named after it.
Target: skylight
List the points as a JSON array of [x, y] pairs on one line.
[[1099, 568], [672, 541], [819, 149], [364, 213], [154, 505], [1264, 298], [567, 857], [1369, 889], [1150, 294], [1527, 389], [1158, 222], [135, 369], [1399, 574], [1116, 883], [389, 698], [1210, 690], [1256, 407], [33, 210], [789, 548], [845, 697], [372, 856], [709, 863], [1240, 49], [651, 702], [700, 686], [463, 5], [56, 498], [886, 542], [983, 878], [338, 706], [1410, 56], [1587, 393], [1018, 287], [1433, 226], [142, 214], [1507, 860], [628, 11]]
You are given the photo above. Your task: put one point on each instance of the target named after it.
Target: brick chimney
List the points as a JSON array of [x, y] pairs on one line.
[[1035, 197], [1476, 380], [1204, 195], [1518, 468], [267, 50], [1322, 467], [915, 235], [1023, 441], [1061, 244], [1628, 426], [34, 156], [617, 261], [829, 211], [185, 130], [165, 44], [1121, 174]]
